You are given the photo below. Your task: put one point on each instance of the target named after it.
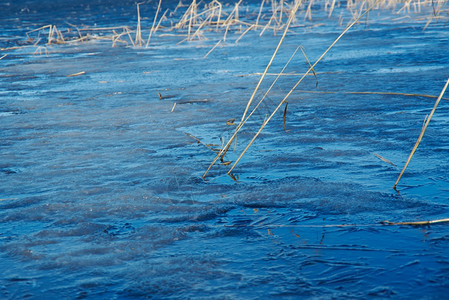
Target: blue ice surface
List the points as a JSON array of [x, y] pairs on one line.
[[101, 194]]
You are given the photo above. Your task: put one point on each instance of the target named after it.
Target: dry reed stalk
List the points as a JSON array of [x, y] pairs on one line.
[[436, 12], [184, 19], [39, 50], [192, 12], [292, 15], [76, 74], [272, 85], [247, 24], [59, 36], [294, 87], [138, 40], [232, 19], [366, 93], [3, 199], [226, 33], [236, 9], [396, 94], [245, 32], [274, 10], [171, 34], [423, 130], [266, 26], [382, 223], [96, 38], [50, 35], [194, 137], [154, 22], [308, 14], [204, 23], [198, 141], [260, 12], [284, 117], [12, 48], [290, 74], [219, 14], [356, 15], [234, 136], [277, 24], [5, 55], [310, 65], [103, 28], [224, 150], [38, 30], [213, 6], [405, 7], [230, 122], [213, 48], [53, 31], [79, 40], [419, 223], [117, 37], [281, 11], [127, 32], [233, 16], [161, 19], [189, 18], [417, 6], [384, 159], [331, 9]]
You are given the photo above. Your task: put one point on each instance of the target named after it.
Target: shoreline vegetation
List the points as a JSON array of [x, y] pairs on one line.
[[231, 22], [193, 21]]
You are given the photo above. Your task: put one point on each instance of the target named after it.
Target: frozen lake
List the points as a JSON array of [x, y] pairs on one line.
[[101, 188]]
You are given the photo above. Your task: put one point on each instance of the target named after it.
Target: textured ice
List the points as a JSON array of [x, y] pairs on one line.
[[101, 194]]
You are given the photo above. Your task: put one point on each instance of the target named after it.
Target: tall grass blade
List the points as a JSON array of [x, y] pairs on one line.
[[138, 30], [154, 23], [423, 130]]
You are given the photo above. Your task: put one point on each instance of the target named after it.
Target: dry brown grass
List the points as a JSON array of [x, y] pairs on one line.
[[195, 20], [154, 22], [423, 130]]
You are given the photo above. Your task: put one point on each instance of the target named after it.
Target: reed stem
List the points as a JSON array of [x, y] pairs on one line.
[[423, 130]]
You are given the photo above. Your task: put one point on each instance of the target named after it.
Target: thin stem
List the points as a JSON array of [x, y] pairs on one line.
[[423, 130]]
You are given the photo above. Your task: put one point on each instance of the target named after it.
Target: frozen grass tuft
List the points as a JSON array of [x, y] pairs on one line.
[[195, 20]]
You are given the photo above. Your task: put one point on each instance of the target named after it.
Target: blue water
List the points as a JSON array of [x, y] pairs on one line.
[[101, 195]]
